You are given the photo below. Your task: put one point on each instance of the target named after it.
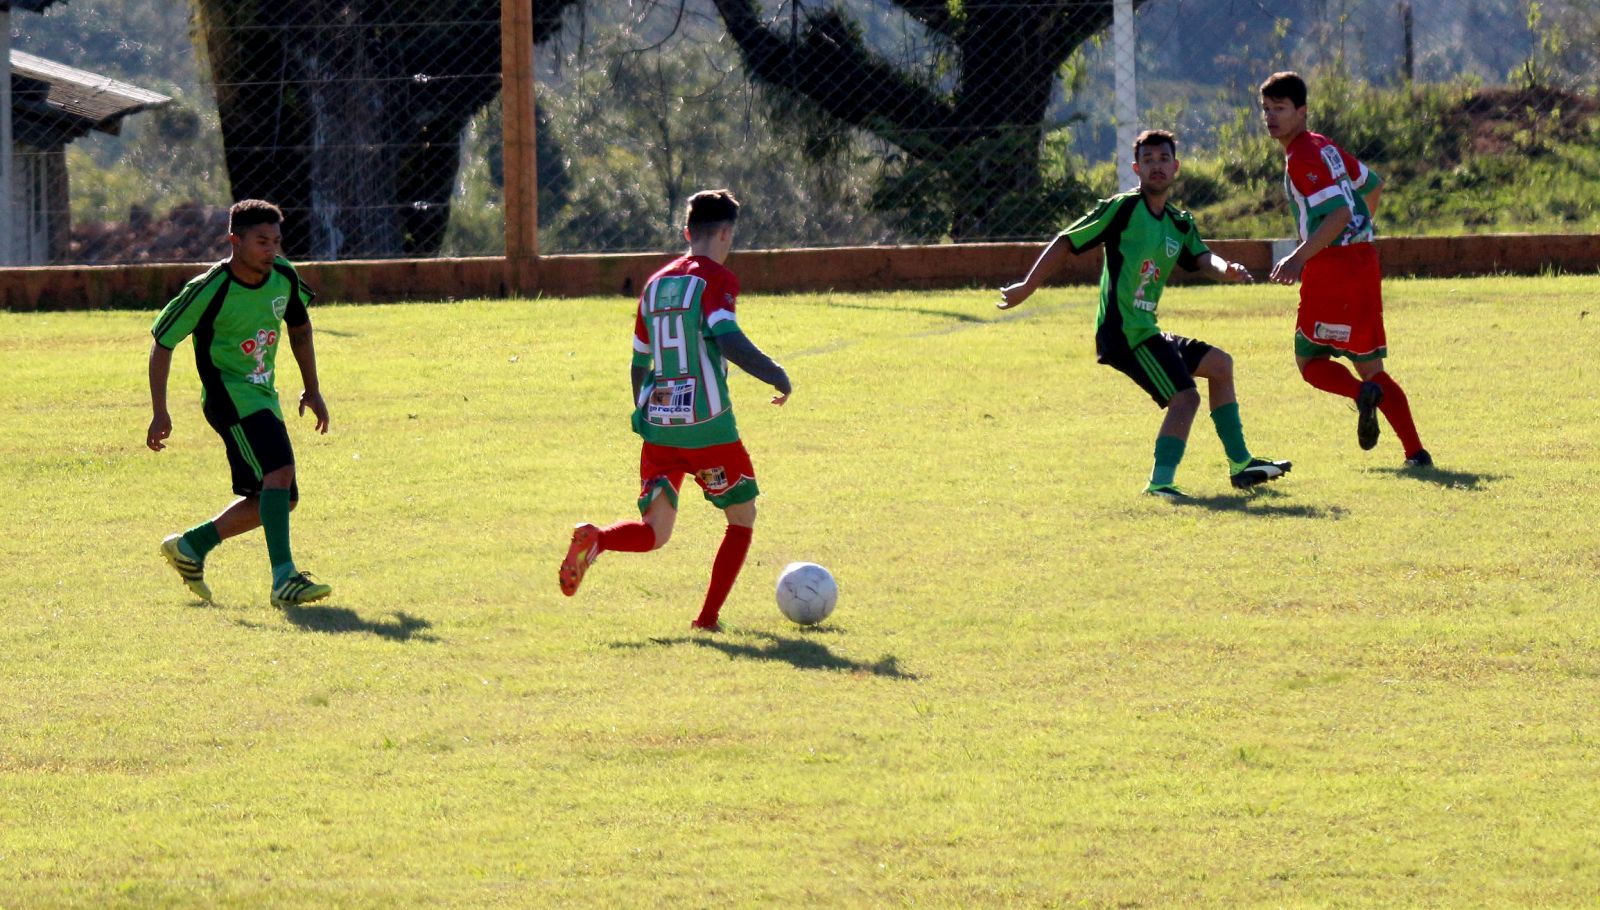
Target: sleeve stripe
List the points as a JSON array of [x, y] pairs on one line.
[[186, 299], [1323, 195], [719, 316], [640, 347]]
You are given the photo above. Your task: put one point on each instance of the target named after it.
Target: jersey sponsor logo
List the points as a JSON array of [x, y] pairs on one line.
[[713, 478], [258, 347], [1173, 246], [1148, 272], [1335, 162], [671, 400], [280, 305], [1330, 331]]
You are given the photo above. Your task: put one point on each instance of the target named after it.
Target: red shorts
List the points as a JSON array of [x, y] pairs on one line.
[[723, 472], [1341, 304]]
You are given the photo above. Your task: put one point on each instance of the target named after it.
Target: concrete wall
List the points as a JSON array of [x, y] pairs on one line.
[[760, 271]]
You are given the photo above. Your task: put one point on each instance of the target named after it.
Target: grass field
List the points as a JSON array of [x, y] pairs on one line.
[[1362, 687]]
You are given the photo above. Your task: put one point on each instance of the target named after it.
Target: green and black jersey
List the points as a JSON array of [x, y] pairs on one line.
[[235, 328], [1141, 249]]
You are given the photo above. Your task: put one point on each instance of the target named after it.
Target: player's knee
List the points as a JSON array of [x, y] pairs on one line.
[[278, 478], [1186, 401], [1221, 364], [742, 514]]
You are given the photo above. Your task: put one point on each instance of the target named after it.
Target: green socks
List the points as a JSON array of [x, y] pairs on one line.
[[1169, 451], [275, 524], [199, 540], [1231, 431]]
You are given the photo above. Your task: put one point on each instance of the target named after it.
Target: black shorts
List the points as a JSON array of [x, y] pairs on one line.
[[257, 445], [1163, 366]]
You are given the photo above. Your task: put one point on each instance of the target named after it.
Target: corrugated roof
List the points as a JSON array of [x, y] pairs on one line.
[[85, 95]]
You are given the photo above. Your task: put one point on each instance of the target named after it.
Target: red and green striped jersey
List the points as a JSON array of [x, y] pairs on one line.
[[1141, 249], [1321, 178], [685, 307], [236, 333]]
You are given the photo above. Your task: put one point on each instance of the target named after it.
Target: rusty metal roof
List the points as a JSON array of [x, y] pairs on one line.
[[81, 95]]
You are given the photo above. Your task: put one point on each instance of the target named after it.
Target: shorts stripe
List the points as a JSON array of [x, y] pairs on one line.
[[1152, 368], [244, 449]]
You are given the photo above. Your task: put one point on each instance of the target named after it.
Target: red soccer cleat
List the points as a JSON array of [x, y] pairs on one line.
[[585, 549]]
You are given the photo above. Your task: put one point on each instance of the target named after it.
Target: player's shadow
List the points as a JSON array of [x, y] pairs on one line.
[[404, 626], [1452, 480], [800, 653], [1261, 502]]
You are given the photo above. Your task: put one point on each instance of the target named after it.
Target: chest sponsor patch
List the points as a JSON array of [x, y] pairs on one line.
[[280, 305], [1173, 246], [672, 400], [1330, 331]]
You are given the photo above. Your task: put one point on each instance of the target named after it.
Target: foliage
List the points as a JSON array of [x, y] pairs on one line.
[[1360, 688]]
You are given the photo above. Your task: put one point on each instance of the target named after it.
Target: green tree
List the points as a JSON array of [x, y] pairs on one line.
[[351, 112], [969, 120]]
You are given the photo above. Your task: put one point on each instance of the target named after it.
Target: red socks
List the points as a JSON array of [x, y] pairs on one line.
[[730, 559], [628, 536], [1397, 410], [1332, 377]]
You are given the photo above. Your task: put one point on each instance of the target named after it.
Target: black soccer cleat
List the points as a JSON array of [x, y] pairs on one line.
[[1420, 459], [1367, 401], [1258, 471]]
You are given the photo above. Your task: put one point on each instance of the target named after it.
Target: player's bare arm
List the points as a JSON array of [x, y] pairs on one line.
[[1045, 266], [160, 420], [305, 355], [1223, 270], [1288, 269], [1371, 198]]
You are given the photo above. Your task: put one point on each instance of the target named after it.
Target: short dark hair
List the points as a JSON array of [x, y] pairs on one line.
[[1154, 137], [711, 209], [247, 213], [1285, 86]]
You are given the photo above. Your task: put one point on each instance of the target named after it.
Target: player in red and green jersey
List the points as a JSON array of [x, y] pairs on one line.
[[235, 312], [684, 330], [1144, 237], [1333, 197]]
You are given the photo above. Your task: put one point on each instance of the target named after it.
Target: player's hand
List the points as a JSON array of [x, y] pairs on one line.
[[1288, 270], [1011, 295], [160, 428], [780, 400], [1237, 272], [313, 400]]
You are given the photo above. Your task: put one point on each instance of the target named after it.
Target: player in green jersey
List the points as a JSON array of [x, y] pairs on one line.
[[235, 311], [1144, 237], [683, 330]]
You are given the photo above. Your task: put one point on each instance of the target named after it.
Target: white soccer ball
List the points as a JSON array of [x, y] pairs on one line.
[[806, 592]]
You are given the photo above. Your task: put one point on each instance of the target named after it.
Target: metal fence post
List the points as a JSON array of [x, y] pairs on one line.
[[8, 149], [1125, 66]]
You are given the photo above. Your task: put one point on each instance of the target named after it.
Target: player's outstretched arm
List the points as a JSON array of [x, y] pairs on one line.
[[160, 420], [305, 354], [1045, 266], [1288, 269], [743, 353], [1223, 270]]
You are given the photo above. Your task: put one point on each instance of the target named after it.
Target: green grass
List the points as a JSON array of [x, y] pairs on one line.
[[1358, 688]]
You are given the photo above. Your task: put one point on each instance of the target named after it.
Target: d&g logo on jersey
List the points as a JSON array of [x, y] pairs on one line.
[[280, 305], [1148, 272], [713, 478], [257, 347]]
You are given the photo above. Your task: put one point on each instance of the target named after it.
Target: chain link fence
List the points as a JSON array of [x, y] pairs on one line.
[[376, 124]]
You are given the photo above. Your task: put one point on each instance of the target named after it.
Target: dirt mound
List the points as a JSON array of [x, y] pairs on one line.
[[191, 232], [1496, 121]]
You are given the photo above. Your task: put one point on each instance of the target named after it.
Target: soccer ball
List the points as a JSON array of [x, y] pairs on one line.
[[806, 592]]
